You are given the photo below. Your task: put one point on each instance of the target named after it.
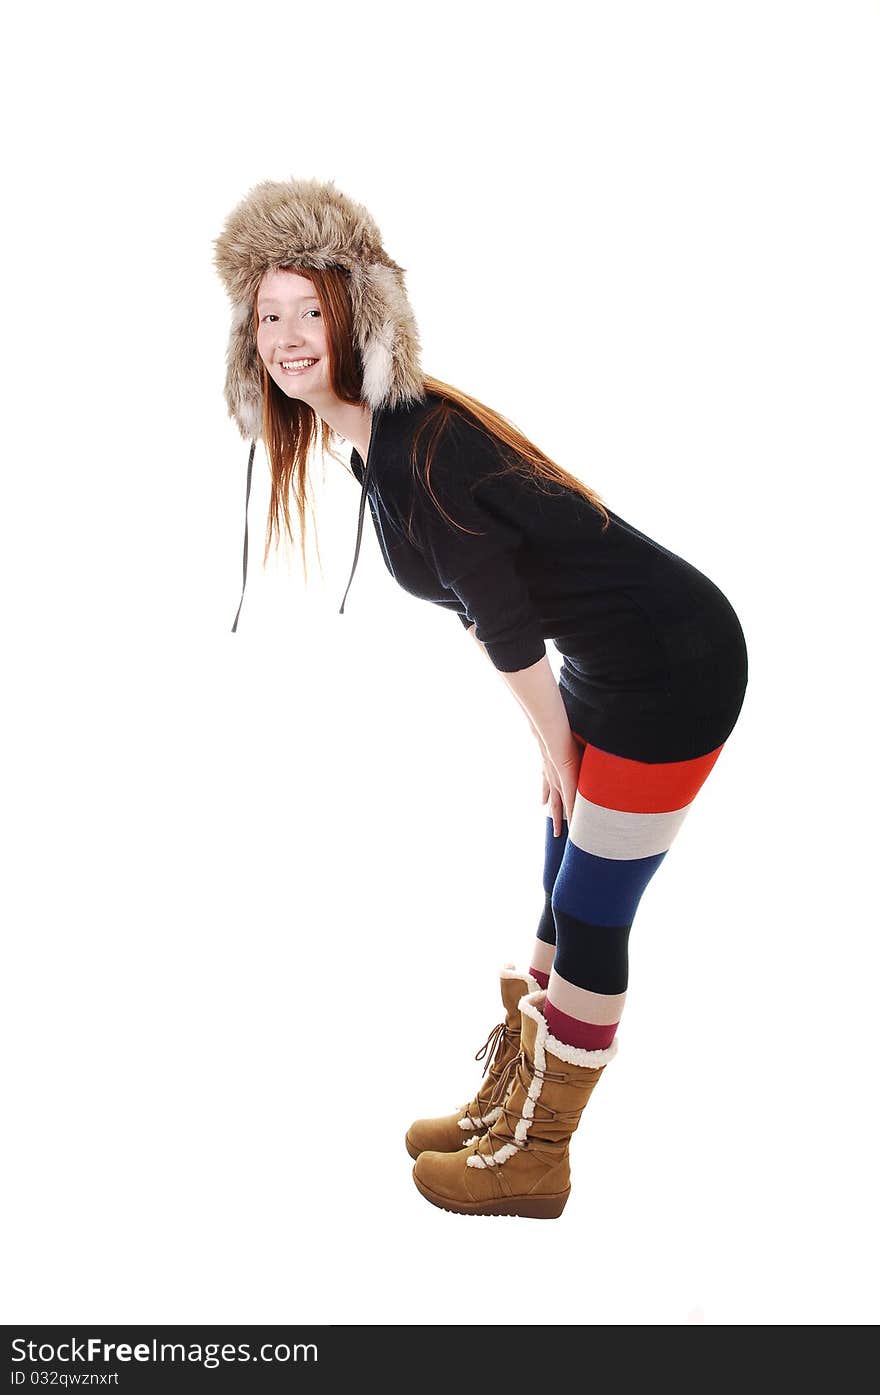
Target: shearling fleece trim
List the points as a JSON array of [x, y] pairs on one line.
[[572, 1055], [511, 971], [486, 1119]]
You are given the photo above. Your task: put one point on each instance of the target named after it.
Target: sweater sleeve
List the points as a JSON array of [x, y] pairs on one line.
[[480, 565]]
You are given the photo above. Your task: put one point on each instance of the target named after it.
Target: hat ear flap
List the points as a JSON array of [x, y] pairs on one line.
[[244, 388], [387, 333]]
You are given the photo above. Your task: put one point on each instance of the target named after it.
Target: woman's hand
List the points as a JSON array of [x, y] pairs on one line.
[[559, 780]]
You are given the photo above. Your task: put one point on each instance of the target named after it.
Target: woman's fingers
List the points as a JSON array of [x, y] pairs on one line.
[[568, 772], [550, 796], [555, 811], [562, 797], [559, 785]]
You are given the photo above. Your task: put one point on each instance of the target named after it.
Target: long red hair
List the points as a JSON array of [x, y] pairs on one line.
[[292, 429]]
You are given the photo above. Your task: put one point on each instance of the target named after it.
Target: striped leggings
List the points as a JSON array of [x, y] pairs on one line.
[[625, 816]]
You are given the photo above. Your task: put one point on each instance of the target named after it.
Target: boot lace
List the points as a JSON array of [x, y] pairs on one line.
[[495, 1044], [493, 1049]]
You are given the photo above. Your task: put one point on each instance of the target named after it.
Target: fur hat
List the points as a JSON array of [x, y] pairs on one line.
[[302, 224]]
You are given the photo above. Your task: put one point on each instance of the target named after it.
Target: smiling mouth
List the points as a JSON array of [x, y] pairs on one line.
[[297, 366]]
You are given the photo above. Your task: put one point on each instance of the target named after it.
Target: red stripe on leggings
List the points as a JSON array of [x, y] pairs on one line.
[[641, 787], [576, 1033]]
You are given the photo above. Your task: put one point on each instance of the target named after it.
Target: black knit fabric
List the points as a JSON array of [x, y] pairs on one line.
[[654, 659]]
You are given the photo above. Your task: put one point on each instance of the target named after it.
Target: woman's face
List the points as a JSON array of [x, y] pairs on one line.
[[291, 330]]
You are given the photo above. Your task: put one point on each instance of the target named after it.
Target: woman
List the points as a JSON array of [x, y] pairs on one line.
[[472, 516]]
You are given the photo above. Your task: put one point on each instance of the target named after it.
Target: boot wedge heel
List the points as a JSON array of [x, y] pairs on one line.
[[545, 1208]]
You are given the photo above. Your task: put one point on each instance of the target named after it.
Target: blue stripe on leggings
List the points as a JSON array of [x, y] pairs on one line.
[[601, 890]]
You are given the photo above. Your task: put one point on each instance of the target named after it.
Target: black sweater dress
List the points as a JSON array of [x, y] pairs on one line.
[[654, 661]]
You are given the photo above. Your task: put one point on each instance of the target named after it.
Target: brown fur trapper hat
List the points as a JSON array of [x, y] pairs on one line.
[[305, 223]]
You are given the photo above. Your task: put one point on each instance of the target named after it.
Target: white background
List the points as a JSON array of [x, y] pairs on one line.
[[258, 887]]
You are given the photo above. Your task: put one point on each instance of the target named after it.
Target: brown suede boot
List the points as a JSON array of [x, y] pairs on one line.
[[449, 1133], [519, 1166]]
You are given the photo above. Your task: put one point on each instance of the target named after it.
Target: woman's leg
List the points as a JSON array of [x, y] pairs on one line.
[[544, 950], [625, 818]]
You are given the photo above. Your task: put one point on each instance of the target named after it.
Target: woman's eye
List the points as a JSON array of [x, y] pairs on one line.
[[272, 316]]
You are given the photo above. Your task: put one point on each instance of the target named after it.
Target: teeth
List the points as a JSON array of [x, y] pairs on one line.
[[298, 362]]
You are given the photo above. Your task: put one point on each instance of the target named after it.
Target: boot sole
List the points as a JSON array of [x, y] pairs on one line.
[[535, 1207]]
